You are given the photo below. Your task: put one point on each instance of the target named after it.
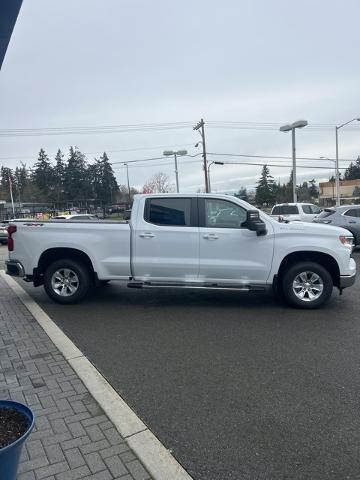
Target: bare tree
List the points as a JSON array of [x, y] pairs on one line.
[[159, 183]]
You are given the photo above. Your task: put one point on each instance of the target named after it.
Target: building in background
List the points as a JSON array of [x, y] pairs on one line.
[[349, 192]]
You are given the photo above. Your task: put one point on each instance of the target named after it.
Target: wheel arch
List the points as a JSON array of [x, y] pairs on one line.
[[323, 259], [53, 254]]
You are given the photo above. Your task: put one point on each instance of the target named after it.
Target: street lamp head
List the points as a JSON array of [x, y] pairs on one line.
[[299, 124], [292, 126], [167, 153], [219, 163], [181, 152]]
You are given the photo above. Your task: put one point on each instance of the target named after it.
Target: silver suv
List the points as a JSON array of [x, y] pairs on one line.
[[346, 216]]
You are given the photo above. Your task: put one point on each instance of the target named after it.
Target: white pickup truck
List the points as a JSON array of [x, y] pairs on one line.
[[185, 241]]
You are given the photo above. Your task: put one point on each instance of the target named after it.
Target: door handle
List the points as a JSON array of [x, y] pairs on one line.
[[210, 236], [146, 235]]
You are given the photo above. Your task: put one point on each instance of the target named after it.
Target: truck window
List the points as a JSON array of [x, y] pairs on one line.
[[223, 214], [168, 211], [307, 209], [285, 210]]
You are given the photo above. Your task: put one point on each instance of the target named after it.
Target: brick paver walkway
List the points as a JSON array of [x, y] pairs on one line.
[[73, 438]]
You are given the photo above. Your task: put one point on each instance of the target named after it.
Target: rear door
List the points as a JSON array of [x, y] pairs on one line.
[[352, 220], [230, 253], [166, 240]]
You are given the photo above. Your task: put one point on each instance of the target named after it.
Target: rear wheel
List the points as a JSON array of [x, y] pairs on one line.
[[307, 285], [67, 281]]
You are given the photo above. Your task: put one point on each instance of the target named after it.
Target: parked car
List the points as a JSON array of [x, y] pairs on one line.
[[289, 212], [3, 233], [172, 241], [346, 216], [76, 216]]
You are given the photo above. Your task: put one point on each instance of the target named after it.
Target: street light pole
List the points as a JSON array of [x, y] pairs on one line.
[[336, 169], [287, 128], [337, 176], [128, 182], [179, 153], [294, 164], [212, 163], [176, 172]]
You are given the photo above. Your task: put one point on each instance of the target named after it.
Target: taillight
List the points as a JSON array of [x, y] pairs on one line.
[[11, 229]]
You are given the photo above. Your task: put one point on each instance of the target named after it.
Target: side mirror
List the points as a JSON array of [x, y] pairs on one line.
[[254, 223]]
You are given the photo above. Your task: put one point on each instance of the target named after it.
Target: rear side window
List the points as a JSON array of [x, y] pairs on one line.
[[353, 212], [285, 210], [326, 213], [307, 209], [169, 211]]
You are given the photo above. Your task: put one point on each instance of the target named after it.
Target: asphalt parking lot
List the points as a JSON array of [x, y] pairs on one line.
[[237, 386]]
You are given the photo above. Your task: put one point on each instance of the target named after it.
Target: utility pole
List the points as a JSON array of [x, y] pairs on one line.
[[200, 126], [293, 148]]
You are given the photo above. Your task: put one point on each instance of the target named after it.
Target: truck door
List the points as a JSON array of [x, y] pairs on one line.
[[230, 253], [166, 240]]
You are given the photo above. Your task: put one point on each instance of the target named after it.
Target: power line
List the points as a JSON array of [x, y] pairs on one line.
[[271, 125], [276, 157], [155, 147], [282, 165], [150, 127], [36, 132]]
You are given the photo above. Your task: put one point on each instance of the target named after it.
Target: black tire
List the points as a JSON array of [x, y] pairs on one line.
[[320, 289], [80, 281]]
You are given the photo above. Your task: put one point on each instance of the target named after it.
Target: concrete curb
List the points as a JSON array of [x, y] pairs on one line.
[[152, 453]]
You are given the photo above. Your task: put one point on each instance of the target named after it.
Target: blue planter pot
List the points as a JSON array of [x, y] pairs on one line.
[[10, 455]]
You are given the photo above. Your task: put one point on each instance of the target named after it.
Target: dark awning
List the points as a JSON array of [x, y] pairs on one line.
[[9, 10]]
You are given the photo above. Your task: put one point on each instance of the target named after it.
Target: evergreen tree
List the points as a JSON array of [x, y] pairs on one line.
[[266, 188], [103, 180], [43, 176], [59, 178], [353, 170], [21, 181], [313, 189], [77, 185], [6, 178]]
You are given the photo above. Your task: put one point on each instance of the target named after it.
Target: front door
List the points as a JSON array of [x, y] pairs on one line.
[[167, 240], [230, 253]]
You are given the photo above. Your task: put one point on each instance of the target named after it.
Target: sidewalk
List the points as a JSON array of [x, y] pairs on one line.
[[73, 438]]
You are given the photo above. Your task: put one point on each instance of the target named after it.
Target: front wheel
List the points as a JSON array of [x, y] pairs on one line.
[[307, 285], [67, 281]]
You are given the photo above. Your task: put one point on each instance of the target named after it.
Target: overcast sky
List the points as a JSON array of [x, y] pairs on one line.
[[79, 63]]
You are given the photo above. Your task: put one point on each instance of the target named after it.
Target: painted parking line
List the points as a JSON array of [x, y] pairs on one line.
[[152, 453]]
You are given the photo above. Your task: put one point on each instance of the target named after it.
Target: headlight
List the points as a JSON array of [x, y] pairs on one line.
[[347, 240]]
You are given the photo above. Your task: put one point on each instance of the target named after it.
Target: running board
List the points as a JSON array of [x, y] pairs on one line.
[[212, 286]]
